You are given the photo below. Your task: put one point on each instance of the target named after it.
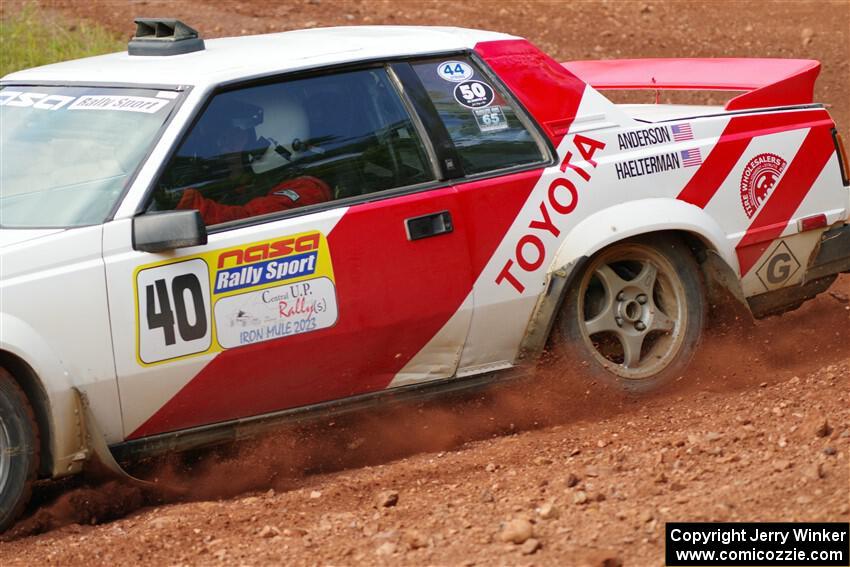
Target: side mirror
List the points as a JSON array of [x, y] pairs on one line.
[[158, 232]]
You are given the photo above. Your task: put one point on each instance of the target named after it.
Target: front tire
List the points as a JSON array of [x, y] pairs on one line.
[[635, 314], [18, 450]]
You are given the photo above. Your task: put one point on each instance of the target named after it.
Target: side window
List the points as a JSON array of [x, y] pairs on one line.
[[482, 124], [275, 147]]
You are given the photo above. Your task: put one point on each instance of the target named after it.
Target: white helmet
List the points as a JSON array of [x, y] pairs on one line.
[[286, 128]]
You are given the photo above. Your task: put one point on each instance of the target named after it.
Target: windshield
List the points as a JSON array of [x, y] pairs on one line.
[[66, 153]]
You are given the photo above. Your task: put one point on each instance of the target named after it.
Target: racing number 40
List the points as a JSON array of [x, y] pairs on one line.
[[165, 316], [173, 315]]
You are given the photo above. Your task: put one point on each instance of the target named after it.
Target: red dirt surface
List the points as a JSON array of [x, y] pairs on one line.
[[758, 429]]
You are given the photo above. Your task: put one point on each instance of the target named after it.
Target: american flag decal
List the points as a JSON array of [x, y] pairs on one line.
[[682, 132], [691, 157]]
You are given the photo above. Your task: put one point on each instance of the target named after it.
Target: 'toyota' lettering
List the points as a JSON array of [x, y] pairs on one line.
[[561, 197]]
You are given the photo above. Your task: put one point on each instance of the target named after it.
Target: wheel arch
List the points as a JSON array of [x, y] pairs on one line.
[[635, 218], [47, 384], [700, 232]]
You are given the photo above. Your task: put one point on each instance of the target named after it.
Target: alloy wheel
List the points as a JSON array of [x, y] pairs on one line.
[[632, 311]]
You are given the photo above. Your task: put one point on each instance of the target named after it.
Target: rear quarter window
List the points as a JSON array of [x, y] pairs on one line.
[[482, 123]]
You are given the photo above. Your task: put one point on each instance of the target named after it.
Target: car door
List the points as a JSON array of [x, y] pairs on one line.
[[334, 258], [500, 157]]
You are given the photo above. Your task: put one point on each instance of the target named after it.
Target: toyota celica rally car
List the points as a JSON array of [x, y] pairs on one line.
[[199, 237]]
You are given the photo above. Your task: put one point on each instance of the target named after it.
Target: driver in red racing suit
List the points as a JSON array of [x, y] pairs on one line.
[[298, 192], [232, 143]]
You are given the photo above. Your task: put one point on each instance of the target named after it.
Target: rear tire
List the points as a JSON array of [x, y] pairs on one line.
[[635, 314], [18, 450]]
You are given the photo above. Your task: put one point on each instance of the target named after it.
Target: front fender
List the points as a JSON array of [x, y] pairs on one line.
[[619, 222], [66, 433]]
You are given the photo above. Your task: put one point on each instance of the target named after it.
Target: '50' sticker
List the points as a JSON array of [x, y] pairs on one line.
[[474, 94]]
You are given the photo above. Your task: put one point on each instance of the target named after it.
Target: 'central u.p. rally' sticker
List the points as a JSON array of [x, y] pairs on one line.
[[233, 297]]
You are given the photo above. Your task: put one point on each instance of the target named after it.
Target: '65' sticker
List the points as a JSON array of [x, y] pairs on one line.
[[474, 94], [490, 118]]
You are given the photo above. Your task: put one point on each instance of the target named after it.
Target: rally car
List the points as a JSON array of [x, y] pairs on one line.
[[202, 237]]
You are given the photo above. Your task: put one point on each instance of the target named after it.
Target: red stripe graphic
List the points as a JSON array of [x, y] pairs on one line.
[[363, 351], [734, 141], [769, 223], [380, 278]]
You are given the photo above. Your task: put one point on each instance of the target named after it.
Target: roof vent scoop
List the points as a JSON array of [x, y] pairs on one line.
[[163, 36]]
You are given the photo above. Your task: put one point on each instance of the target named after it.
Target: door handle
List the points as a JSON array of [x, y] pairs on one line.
[[428, 225]]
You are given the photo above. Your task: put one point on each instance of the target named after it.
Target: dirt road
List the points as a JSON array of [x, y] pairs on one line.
[[759, 428]]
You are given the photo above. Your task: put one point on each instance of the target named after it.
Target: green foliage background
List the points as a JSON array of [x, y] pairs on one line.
[[30, 37]]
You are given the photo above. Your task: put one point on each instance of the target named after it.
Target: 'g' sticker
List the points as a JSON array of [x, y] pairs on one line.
[[454, 71], [474, 94]]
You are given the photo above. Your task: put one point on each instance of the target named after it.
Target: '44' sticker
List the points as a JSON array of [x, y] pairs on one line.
[[454, 71]]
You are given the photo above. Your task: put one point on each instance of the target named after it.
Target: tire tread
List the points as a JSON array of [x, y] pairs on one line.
[[567, 337], [8, 379]]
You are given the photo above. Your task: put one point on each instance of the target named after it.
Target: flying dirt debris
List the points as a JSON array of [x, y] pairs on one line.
[[596, 479]]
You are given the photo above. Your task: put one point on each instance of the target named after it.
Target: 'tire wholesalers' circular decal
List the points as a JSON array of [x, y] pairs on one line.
[[474, 94]]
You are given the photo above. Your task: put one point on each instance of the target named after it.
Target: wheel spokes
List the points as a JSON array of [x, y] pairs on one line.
[[635, 296], [604, 321], [661, 321], [646, 278], [612, 282], [632, 344]]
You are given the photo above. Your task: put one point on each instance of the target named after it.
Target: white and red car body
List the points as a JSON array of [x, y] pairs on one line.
[[471, 302]]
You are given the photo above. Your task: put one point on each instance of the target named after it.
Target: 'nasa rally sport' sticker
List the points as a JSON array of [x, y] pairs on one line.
[[47, 101], [231, 297], [455, 71], [146, 104], [474, 94]]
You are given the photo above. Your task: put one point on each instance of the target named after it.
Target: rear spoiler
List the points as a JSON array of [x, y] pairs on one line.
[[767, 82]]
